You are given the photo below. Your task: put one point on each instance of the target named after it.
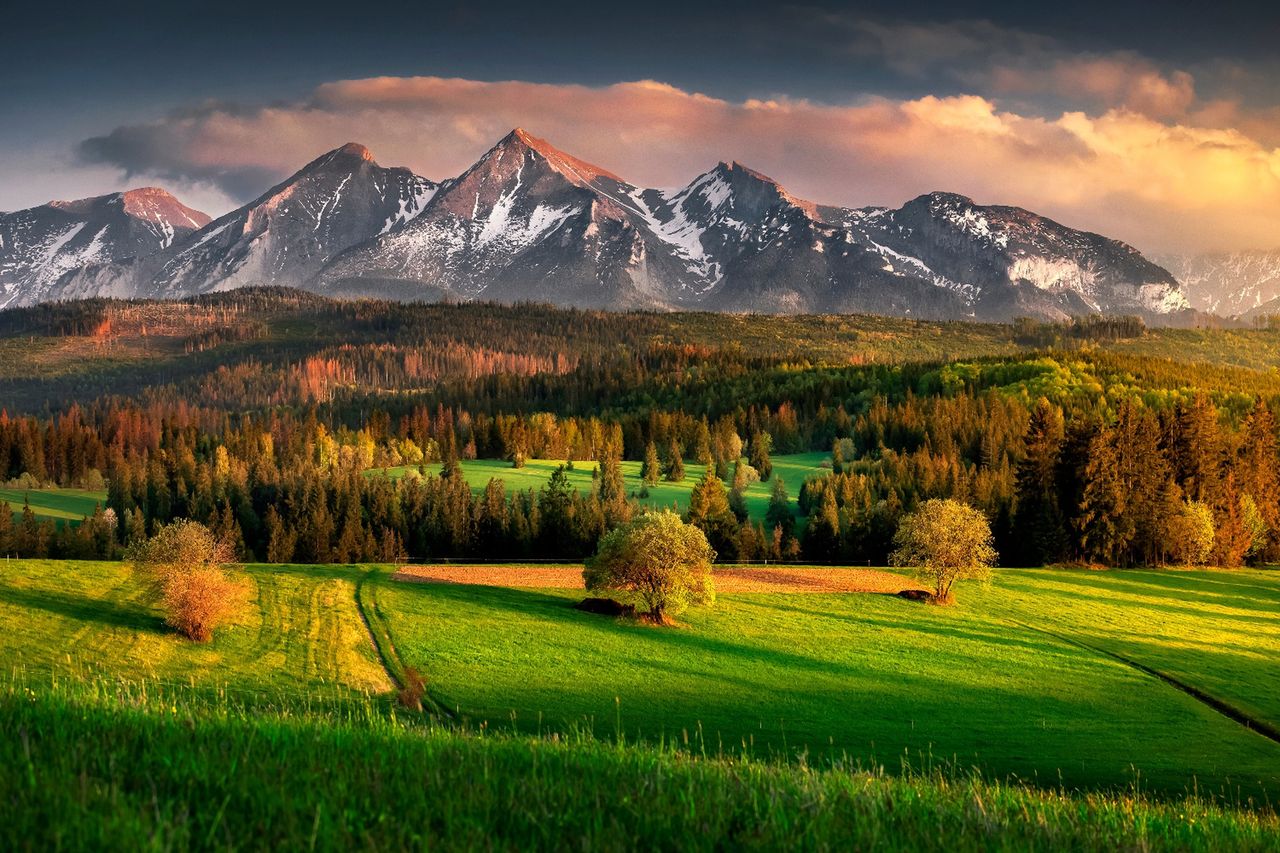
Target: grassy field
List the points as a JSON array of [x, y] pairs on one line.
[[101, 766], [882, 679], [57, 504], [300, 635], [793, 468], [757, 723]]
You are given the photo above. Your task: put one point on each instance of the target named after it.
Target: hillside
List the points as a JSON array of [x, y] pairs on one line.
[[101, 690], [56, 354]]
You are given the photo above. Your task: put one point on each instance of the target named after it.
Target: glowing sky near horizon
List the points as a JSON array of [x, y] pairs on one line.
[[1160, 129]]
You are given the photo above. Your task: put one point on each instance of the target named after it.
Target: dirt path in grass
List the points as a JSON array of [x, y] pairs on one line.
[[784, 579]]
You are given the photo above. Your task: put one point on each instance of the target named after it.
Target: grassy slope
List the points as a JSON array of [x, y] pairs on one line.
[[793, 468], [873, 676], [101, 762], [114, 768], [57, 504], [301, 633], [1219, 631]]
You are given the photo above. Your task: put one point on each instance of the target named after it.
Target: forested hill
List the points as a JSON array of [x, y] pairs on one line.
[[268, 347], [274, 416]]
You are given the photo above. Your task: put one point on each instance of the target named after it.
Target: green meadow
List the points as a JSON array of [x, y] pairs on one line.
[[1015, 719], [54, 503], [793, 468], [999, 681]]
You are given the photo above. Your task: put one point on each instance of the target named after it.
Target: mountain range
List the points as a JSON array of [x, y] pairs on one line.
[[531, 222]]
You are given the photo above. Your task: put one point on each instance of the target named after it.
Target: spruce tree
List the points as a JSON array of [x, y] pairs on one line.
[[651, 467], [675, 462], [761, 444]]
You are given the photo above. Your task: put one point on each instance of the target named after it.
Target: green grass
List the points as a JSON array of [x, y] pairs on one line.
[[1216, 630], [880, 678], [301, 633], [761, 722], [56, 504], [793, 468], [99, 766]]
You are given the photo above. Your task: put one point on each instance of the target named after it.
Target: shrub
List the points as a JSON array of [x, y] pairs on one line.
[[660, 562], [945, 541], [412, 690], [184, 562], [1191, 534]]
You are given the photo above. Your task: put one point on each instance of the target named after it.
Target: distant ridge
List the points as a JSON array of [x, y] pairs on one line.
[[528, 221]]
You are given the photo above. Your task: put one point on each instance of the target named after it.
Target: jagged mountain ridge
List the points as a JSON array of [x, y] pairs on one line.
[[41, 244], [1229, 284], [530, 222], [1006, 261], [286, 235]]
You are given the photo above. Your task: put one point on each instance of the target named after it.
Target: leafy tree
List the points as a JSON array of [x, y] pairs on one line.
[[186, 567], [657, 560], [1254, 524], [1190, 533], [945, 541]]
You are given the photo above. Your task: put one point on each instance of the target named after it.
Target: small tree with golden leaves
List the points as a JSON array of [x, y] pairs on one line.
[[945, 541], [185, 564]]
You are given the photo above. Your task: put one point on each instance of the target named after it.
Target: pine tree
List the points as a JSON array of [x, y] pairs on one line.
[[651, 467], [1104, 531], [675, 463], [1258, 464], [709, 510], [761, 444], [1039, 523], [281, 539], [822, 535], [779, 515]]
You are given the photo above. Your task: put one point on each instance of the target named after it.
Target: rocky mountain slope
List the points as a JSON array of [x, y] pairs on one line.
[[40, 245], [531, 222], [1229, 284]]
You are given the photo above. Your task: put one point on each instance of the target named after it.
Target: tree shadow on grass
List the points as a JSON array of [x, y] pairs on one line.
[[83, 609], [1180, 587]]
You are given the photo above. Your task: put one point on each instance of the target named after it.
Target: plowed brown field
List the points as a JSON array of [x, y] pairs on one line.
[[785, 579]]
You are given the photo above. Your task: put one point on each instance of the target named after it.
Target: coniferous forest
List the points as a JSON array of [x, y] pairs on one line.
[[271, 416]]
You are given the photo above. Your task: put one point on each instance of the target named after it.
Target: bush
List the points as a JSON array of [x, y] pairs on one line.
[[661, 563], [185, 564], [945, 541], [1190, 534]]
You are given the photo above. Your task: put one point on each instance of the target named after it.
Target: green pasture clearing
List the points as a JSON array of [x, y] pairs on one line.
[[56, 504], [882, 679], [793, 468]]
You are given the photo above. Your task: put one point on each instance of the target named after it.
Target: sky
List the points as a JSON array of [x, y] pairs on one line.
[[1158, 124]]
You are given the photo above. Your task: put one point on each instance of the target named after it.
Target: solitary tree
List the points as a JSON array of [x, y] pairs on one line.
[[651, 468], [675, 462], [945, 541], [185, 564], [657, 560]]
